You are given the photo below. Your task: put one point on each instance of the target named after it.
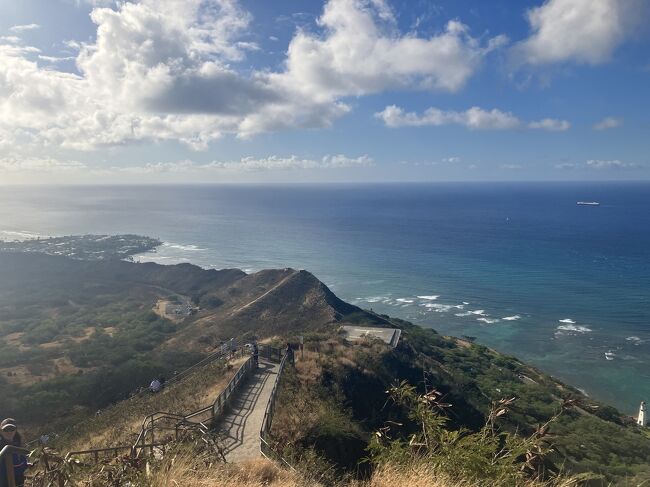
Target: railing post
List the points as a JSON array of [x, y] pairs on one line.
[[9, 467]]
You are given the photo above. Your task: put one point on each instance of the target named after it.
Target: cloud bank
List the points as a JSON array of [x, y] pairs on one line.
[[168, 70], [474, 118], [31, 164], [600, 164]]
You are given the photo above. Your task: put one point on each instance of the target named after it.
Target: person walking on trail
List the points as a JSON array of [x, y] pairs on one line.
[[256, 355], [155, 386], [290, 356], [9, 436]]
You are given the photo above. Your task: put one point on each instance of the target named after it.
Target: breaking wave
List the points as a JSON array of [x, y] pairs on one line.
[[489, 321], [441, 308], [572, 329], [374, 299], [635, 340], [185, 248]]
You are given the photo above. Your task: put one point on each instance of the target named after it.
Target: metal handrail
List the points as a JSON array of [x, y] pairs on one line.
[[149, 423], [6, 455], [228, 347], [220, 403], [265, 447], [272, 354], [217, 408], [114, 449]]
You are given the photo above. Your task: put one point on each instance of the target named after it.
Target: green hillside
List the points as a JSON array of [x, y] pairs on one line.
[[77, 336]]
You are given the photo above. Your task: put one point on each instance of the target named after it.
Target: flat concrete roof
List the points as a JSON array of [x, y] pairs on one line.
[[387, 335]]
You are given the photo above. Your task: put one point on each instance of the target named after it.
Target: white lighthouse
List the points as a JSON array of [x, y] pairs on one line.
[[642, 420]]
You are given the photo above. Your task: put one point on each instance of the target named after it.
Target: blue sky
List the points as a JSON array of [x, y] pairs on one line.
[[95, 91]]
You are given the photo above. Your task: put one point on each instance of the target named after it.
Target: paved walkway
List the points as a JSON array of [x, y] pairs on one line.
[[239, 429]]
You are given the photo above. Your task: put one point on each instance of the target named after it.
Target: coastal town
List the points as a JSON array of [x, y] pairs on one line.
[[85, 247]]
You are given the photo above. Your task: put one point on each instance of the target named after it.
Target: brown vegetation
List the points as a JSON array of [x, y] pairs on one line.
[[119, 424]]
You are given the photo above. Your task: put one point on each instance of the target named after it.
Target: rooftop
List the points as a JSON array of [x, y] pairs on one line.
[[388, 335]]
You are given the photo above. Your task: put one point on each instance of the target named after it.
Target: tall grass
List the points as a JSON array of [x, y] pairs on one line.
[[119, 424]]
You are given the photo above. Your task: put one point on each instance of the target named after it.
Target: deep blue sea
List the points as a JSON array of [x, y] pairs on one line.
[[520, 266]]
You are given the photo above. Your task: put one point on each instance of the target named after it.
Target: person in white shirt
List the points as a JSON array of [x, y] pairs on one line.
[[155, 386]]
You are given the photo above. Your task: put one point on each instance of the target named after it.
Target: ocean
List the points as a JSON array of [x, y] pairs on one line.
[[519, 266]]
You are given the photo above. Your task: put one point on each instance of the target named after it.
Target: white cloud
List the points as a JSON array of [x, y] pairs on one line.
[[608, 123], [451, 160], [550, 124], [10, 39], [448, 161], [35, 169], [474, 118], [511, 167], [610, 164], [361, 52], [585, 31], [166, 70], [270, 163], [599, 164], [55, 59], [157, 71], [72, 44], [96, 3], [23, 28], [38, 164]]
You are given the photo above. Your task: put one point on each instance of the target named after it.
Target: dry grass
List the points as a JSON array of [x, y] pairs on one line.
[[15, 340], [181, 471], [423, 475], [120, 423], [21, 374], [305, 404]]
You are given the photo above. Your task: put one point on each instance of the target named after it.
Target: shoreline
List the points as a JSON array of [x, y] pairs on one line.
[[428, 309], [567, 327]]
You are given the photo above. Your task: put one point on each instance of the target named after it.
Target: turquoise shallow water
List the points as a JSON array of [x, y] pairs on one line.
[[519, 266]]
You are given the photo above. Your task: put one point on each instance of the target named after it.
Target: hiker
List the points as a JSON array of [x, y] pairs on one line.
[[256, 355], [290, 356], [155, 386], [9, 436]]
